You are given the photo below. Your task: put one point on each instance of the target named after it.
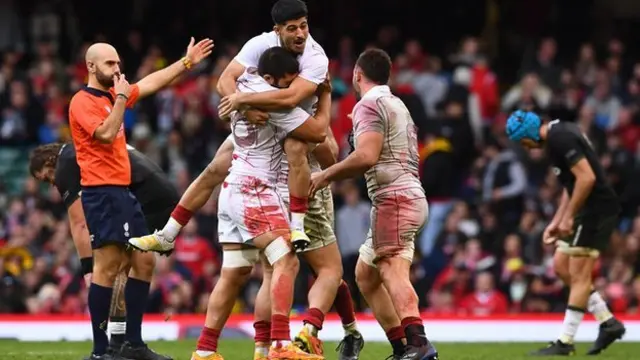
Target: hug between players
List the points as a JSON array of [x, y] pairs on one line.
[[272, 176]]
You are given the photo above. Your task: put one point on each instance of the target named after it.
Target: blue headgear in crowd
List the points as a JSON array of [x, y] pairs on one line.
[[523, 125]]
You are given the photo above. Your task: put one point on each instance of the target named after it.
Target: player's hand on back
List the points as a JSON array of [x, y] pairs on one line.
[[198, 52], [256, 117], [121, 85], [227, 105]]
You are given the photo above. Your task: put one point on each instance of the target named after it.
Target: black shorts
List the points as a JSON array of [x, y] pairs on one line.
[[593, 231], [113, 215], [156, 220]]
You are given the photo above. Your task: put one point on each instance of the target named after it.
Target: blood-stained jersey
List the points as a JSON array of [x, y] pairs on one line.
[[258, 148], [397, 169]]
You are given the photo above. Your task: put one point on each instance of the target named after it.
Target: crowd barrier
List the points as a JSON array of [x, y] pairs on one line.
[[507, 328]]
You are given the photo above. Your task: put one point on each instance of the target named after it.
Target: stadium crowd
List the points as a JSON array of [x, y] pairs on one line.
[[489, 201]]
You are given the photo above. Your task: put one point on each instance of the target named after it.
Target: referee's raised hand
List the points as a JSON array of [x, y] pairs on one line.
[[121, 86]]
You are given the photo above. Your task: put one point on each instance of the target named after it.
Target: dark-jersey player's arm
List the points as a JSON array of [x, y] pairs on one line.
[[79, 231]]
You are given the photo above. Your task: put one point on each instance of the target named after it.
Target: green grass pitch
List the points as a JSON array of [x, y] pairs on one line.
[[243, 350]]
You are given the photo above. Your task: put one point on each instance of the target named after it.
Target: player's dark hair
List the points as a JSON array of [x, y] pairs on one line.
[[287, 10], [376, 65], [277, 62], [44, 155]]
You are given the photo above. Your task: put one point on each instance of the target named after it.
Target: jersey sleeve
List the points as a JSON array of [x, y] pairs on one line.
[[67, 180], [249, 55], [315, 69], [87, 116], [566, 147], [288, 120], [133, 96], [367, 118]]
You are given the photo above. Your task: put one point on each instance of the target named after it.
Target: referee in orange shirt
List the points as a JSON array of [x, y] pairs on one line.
[[112, 213]]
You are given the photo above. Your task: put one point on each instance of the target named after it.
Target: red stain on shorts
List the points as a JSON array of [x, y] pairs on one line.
[[397, 217], [262, 209]]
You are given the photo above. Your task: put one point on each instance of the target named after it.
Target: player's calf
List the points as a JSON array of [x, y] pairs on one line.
[[299, 180], [237, 264]]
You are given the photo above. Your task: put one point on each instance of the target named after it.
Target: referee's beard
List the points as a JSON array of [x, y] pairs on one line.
[[105, 80]]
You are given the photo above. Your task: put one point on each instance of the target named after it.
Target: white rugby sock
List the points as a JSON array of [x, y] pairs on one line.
[[203, 353], [171, 229], [572, 319], [262, 351], [297, 221], [598, 307], [312, 329], [351, 329]]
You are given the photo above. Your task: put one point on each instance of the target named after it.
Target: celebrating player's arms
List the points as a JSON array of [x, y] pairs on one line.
[[252, 217], [57, 165], [582, 225], [111, 212], [386, 152]]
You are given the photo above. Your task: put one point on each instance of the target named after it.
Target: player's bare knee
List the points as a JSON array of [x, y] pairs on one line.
[[238, 275], [106, 271], [366, 280], [561, 266], [142, 265]]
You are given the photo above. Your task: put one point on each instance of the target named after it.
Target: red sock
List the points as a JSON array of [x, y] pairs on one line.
[[298, 204], [208, 340], [263, 331], [344, 304], [411, 321], [395, 333], [181, 215], [314, 317], [280, 328]]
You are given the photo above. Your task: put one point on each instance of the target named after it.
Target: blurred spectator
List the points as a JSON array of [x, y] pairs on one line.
[[485, 300]]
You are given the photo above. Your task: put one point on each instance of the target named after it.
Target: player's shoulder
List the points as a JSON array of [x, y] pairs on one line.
[[251, 81], [267, 39], [313, 54], [558, 130], [81, 97]]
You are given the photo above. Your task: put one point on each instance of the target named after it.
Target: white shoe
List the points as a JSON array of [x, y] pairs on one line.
[[155, 242]]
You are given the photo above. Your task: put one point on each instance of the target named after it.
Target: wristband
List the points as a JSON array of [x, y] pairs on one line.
[[126, 98], [186, 62], [87, 265]]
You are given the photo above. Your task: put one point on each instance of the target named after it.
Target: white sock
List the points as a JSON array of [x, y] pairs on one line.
[[351, 329], [598, 307], [572, 320], [297, 221], [261, 350], [203, 353], [171, 229], [312, 329]]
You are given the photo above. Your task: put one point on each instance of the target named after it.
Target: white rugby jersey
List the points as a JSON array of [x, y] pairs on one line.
[[381, 111], [258, 149]]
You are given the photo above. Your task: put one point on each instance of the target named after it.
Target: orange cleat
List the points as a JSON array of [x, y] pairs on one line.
[[291, 352], [308, 342], [214, 356]]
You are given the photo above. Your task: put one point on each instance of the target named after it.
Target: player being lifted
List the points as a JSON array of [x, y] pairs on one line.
[[386, 152], [252, 215], [290, 32], [582, 226]]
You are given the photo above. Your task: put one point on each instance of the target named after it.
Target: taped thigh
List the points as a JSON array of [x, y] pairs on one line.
[[240, 258]]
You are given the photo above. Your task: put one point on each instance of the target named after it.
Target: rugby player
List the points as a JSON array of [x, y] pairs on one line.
[[57, 165], [582, 226], [252, 216], [112, 213], [386, 152], [322, 254]]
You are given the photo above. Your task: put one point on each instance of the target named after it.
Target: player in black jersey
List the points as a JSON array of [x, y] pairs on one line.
[[582, 226], [56, 164]]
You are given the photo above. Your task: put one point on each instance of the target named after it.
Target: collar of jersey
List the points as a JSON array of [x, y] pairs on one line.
[[98, 93], [376, 91]]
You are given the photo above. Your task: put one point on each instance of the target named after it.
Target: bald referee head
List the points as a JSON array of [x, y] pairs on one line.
[[103, 63]]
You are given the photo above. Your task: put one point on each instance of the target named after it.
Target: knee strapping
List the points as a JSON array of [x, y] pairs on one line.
[[277, 249], [240, 258]]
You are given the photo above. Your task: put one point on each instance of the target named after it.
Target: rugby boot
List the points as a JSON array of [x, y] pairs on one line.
[[426, 352], [214, 356], [291, 352], [610, 331], [306, 341], [350, 347], [155, 242], [394, 357], [140, 352], [299, 240], [106, 356], [556, 348]]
